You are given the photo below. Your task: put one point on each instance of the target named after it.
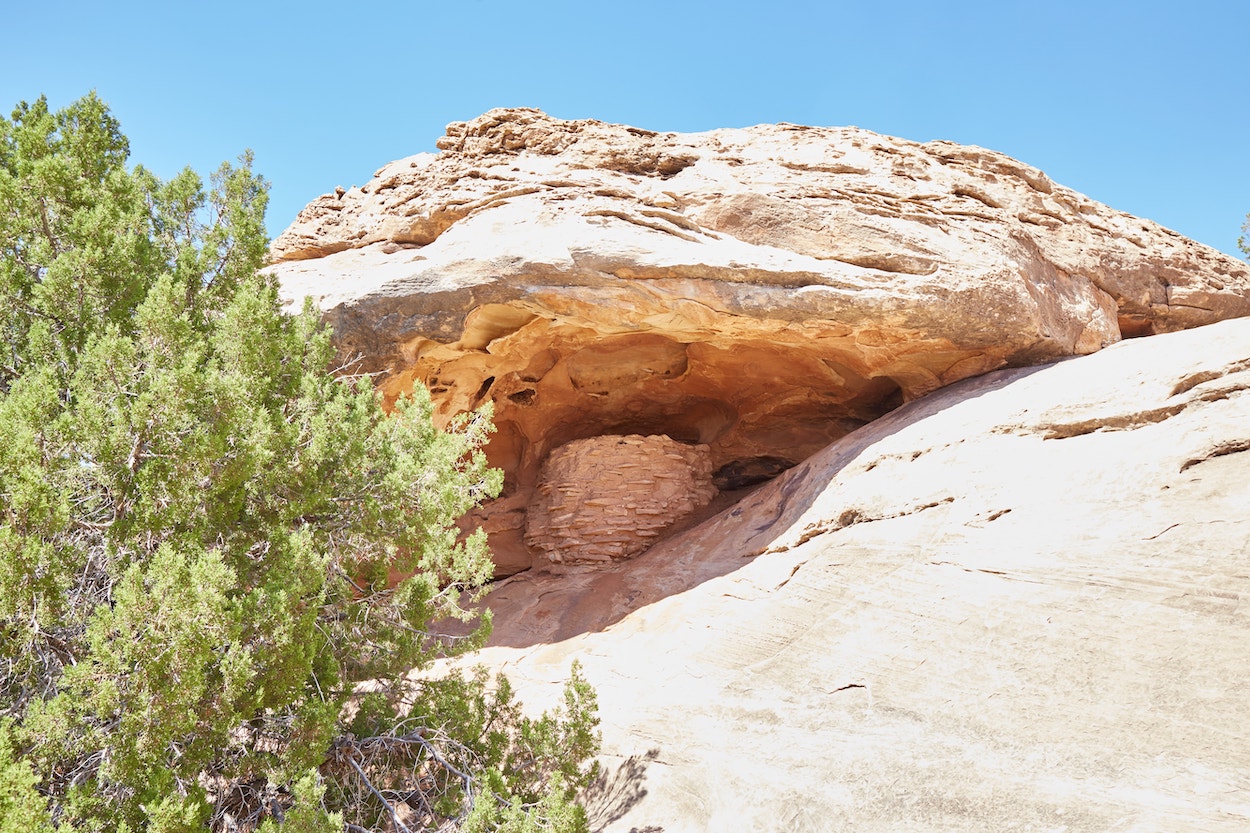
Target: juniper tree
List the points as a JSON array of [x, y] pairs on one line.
[[200, 526]]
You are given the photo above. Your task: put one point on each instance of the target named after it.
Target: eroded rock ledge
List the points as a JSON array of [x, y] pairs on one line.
[[759, 291]]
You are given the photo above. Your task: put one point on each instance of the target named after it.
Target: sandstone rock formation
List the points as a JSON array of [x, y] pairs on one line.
[[1019, 603], [760, 291], [1010, 602]]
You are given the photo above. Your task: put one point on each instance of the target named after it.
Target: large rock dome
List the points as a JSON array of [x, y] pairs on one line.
[[761, 291]]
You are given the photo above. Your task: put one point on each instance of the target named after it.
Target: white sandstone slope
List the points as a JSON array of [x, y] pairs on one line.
[[1019, 603]]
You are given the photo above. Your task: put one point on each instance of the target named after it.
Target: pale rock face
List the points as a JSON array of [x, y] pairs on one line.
[[761, 291], [1012, 602], [1018, 603], [608, 498]]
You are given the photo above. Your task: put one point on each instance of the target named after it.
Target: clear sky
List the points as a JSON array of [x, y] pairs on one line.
[[1142, 105]]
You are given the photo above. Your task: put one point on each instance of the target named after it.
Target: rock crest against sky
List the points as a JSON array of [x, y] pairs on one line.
[[761, 291]]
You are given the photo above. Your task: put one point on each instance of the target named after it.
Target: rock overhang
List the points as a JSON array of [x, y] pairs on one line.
[[761, 292]]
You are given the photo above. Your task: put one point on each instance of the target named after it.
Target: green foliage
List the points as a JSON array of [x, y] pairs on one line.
[[22, 808], [200, 526], [1244, 241], [477, 757], [543, 765]]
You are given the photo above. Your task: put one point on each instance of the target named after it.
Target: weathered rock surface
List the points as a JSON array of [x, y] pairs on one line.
[[607, 498], [1014, 602], [1019, 603], [761, 291]]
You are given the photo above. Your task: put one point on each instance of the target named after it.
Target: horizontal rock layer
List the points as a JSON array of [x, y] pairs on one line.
[[761, 291]]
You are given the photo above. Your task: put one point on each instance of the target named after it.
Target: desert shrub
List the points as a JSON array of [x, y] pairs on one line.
[[198, 526]]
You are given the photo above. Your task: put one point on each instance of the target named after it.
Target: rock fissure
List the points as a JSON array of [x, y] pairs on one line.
[[1190, 382], [1124, 422], [1221, 450], [638, 221], [1133, 420], [851, 517]]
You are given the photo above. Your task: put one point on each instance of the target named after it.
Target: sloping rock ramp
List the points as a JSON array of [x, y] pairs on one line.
[[1019, 603]]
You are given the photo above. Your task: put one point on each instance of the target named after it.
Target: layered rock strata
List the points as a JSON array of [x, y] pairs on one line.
[[760, 291], [608, 498]]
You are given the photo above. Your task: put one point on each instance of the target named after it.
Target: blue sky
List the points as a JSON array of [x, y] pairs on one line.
[[1141, 105]]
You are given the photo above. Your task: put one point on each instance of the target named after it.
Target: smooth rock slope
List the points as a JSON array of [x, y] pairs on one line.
[[1019, 603], [761, 291]]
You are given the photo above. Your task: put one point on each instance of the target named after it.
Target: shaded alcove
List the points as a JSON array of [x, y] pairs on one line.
[[759, 404]]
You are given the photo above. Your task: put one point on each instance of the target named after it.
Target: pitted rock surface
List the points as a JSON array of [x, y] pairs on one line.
[[604, 499], [762, 291]]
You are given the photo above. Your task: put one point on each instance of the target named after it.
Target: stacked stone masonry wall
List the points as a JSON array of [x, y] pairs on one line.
[[608, 498]]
